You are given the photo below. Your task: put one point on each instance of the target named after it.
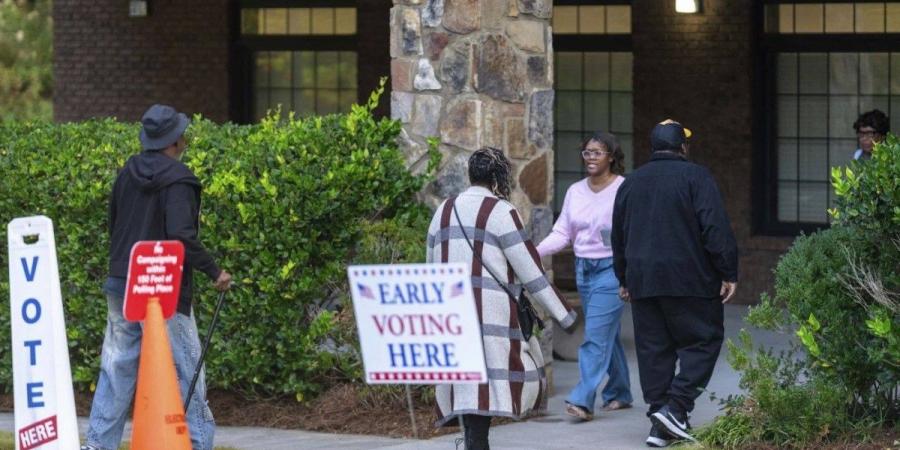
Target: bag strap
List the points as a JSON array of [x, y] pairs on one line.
[[474, 253]]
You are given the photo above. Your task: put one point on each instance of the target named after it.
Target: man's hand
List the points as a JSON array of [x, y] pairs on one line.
[[223, 283], [624, 295], [727, 291]]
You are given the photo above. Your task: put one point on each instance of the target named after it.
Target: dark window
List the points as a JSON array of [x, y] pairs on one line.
[[299, 59], [305, 82], [825, 64], [593, 67]]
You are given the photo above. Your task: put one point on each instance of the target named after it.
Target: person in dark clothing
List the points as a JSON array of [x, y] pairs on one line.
[[676, 259], [155, 197]]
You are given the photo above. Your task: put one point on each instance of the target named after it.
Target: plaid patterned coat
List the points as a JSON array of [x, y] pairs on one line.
[[515, 368]]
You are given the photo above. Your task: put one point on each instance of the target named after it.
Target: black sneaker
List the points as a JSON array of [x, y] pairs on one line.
[[674, 423], [659, 439]]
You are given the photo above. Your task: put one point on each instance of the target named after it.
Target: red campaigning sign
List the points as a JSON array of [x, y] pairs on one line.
[[154, 271]]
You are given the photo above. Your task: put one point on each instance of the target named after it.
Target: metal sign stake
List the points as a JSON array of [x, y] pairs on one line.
[[412, 412]]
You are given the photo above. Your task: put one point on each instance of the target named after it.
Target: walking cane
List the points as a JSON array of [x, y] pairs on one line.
[[212, 327]]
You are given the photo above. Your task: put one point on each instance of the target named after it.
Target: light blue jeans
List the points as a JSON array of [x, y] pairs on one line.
[[602, 352], [118, 375]]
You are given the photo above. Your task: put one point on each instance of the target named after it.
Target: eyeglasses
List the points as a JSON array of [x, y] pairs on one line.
[[589, 154], [867, 134]]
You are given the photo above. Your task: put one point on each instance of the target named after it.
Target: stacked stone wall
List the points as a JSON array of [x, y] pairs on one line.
[[476, 73]]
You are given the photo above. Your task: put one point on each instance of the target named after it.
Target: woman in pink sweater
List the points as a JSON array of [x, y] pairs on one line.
[[585, 223]]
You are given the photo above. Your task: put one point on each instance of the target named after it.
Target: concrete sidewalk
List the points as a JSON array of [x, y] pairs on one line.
[[625, 429]]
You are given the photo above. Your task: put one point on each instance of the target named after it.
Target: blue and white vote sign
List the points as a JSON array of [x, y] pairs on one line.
[[417, 324], [42, 379]]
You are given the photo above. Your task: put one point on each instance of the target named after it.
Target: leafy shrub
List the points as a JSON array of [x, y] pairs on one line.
[[869, 201], [780, 407], [831, 326], [839, 290], [285, 204], [868, 191]]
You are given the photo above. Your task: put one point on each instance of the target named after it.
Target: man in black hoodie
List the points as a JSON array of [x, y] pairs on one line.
[[155, 197], [676, 259]]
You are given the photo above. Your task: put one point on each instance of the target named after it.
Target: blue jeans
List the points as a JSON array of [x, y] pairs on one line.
[[118, 375], [602, 352]]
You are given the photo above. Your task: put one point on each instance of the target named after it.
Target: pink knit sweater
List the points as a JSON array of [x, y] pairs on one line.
[[584, 222]]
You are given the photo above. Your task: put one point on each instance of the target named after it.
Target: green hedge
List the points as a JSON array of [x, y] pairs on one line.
[[285, 204]]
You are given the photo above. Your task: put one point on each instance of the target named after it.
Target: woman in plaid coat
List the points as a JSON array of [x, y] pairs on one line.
[[516, 380]]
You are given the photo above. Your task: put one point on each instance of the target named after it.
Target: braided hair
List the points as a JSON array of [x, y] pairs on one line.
[[490, 168]]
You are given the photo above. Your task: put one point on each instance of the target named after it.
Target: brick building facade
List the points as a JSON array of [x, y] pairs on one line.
[[189, 54], [699, 68], [755, 80], [107, 64]]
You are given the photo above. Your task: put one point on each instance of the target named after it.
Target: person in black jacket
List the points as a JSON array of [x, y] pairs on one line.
[[676, 259], [155, 197]]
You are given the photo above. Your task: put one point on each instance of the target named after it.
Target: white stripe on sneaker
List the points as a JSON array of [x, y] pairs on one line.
[[657, 442], [663, 421]]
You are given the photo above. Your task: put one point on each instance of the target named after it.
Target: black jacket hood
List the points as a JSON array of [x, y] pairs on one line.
[[152, 171]]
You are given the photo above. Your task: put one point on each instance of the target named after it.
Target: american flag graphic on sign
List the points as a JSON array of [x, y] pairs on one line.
[[365, 291], [456, 290]]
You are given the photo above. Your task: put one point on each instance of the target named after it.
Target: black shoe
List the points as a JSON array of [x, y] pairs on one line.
[[674, 423], [659, 439]]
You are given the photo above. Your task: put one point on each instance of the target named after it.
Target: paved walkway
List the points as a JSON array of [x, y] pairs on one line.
[[617, 430]]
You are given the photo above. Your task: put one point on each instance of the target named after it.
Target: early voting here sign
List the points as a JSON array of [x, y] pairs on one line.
[[417, 324], [42, 378]]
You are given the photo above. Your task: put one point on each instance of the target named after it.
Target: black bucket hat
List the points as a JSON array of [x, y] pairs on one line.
[[162, 125]]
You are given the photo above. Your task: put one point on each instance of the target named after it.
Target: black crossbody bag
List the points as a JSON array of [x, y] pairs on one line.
[[528, 317]]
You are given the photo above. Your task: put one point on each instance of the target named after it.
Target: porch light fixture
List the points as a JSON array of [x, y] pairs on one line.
[[687, 6], [137, 8]]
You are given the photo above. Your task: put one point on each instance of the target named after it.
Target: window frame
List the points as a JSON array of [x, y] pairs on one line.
[[587, 42], [765, 199], [244, 46]]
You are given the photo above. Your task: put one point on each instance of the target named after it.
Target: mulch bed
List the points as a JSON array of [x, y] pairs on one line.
[[338, 410], [342, 409]]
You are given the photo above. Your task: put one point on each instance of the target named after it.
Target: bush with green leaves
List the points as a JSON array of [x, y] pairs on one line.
[[781, 406], [811, 285], [868, 191], [285, 207], [838, 290], [869, 201]]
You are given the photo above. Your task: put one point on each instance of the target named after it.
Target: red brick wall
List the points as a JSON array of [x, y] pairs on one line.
[[698, 69], [108, 64]]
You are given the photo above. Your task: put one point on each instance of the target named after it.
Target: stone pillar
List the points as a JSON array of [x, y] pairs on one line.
[[475, 73]]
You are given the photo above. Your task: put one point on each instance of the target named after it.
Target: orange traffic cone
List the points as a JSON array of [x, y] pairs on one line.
[[159, 422]]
